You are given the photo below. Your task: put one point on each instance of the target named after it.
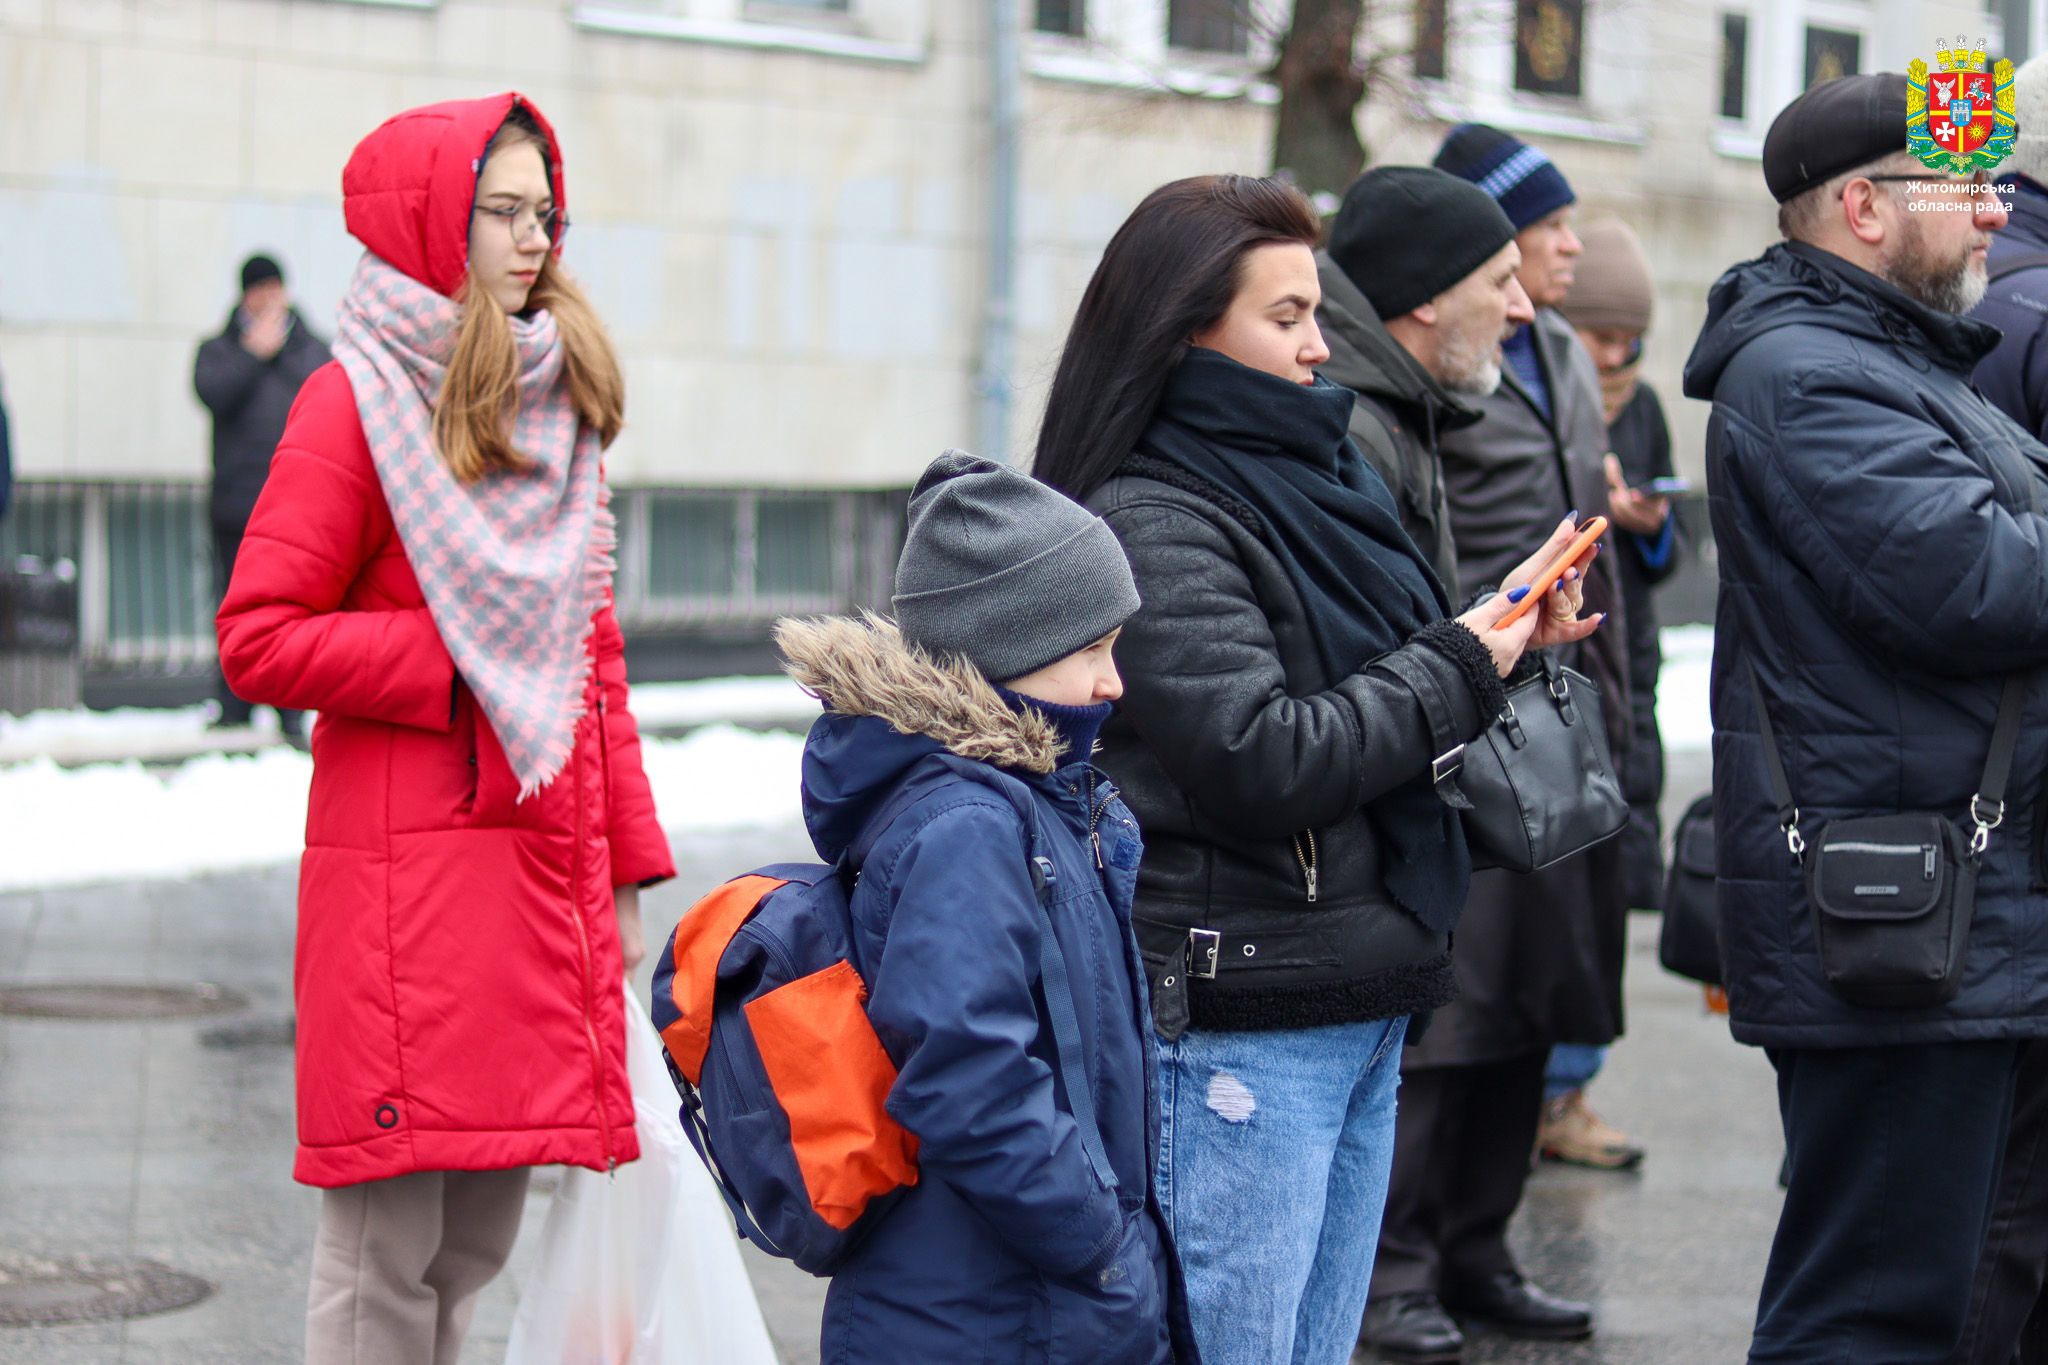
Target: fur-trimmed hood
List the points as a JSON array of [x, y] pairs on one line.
[[865, 667], [889, 707]]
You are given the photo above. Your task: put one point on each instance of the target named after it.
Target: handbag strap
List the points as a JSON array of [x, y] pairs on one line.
[[1987, 805]]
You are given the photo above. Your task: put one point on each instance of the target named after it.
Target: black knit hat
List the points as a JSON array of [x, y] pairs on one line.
[[1834, 127], [257, 269], [1407, 233], [1521, 179]]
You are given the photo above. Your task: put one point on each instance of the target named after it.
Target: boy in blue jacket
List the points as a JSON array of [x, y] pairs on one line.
[[1018, 1243]]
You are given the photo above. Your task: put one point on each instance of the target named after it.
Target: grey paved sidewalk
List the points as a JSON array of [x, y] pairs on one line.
[[144, 1140]]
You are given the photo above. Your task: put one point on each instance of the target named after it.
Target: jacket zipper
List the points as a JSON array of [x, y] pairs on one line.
[[1308, 863], [604, 1119], [1095, 813]]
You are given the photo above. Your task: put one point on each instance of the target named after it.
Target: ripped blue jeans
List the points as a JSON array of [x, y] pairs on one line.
[[1273, 1168]]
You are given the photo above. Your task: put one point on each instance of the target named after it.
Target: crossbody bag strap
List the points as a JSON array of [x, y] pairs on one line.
[[1987, 807], [1781, 790]]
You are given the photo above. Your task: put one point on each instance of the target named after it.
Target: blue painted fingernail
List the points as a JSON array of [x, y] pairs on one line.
[[1517, 594], [1573, 515]]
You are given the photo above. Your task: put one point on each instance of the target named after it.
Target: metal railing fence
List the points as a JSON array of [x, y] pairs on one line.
[[727, 559]]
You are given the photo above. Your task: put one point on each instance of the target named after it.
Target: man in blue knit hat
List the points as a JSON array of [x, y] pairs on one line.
[[1539, 956]]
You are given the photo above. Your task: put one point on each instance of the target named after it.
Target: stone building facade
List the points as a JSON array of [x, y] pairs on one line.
[[781, 209]]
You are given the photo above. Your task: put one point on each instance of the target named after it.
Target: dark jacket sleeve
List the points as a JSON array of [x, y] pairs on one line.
[[225, 375], [1205, 689], [954, 987], [1896, 524]]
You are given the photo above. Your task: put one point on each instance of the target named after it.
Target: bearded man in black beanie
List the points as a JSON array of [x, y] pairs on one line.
[[1538, 956], [1419, 291]]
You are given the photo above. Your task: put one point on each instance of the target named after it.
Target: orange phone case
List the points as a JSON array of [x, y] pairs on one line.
[[1554, 570]]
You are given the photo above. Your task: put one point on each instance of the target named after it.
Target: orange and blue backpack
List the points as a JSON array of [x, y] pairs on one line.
[[784, 1082]]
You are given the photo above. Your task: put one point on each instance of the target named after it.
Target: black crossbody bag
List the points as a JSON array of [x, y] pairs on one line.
[[1893, 895]]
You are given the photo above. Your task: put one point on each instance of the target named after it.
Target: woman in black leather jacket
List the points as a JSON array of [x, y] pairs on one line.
[[1290, 676]]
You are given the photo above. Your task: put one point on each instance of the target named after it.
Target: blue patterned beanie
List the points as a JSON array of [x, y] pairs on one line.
[[1521, 179]]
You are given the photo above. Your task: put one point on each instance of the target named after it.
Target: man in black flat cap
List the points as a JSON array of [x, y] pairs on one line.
[[247, 377], [1884, 571]]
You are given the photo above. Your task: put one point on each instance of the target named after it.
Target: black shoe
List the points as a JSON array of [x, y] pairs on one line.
[[1510, 1304], [1413, 1329]]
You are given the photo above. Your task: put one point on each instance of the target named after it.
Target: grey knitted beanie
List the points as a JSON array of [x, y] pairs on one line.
[[2030, 97], [1005, 571]]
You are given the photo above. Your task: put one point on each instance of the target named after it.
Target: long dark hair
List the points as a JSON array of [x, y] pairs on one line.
[[1170, 272]]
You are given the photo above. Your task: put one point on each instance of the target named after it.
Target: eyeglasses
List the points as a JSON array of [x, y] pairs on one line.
[[522, 218]]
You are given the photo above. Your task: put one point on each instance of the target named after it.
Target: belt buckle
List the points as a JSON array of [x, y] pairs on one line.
[[1446, 765], [1204, 947]]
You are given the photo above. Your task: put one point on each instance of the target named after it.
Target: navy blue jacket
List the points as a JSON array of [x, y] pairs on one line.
[[2015, 375], [1008, 1248], [1881, 570]]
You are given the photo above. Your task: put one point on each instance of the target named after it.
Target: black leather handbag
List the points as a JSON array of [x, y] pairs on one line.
[[1893, 895], [1689, 942], [1538, 785]]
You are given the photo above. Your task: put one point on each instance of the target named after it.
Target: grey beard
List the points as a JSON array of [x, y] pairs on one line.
[[1469, 366], [1479, 383], [1955, 288]]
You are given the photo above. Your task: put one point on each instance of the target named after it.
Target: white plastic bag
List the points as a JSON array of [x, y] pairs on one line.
[[640, 1267]]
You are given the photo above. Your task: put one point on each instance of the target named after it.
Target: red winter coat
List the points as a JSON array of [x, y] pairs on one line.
[[458, 972]]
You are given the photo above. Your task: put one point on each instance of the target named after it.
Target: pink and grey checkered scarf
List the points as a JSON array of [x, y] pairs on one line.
[[513, 566]]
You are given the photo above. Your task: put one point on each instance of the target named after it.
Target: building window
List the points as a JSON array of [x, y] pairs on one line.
[[1831, 54], [1063, 16], [1428, 53], [1208, 26], [1548, 38], [1734, 65]]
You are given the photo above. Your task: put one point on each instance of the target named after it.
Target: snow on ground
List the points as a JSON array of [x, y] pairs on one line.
[[116, 822], [737, 701], [152, 734], [1682, 713], [121, 821]]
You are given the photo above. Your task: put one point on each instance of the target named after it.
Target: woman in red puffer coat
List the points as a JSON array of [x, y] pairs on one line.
[[429, 569]]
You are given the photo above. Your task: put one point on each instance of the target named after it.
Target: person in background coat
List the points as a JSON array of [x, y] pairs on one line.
[[248, 377], [1538, 957], [1609, 307], [6, 459], [2008, 1315]]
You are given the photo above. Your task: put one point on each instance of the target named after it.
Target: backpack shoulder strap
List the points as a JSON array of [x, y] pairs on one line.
[[2012, 265], [1052, 967]]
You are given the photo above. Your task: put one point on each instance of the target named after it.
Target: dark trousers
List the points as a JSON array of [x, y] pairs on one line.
[[1463, 1136], [2008, 1319], [1894, 1156], [227, 543]]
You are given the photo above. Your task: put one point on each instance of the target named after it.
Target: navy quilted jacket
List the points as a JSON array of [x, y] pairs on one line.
[[1881, 570], [1008, 1248]]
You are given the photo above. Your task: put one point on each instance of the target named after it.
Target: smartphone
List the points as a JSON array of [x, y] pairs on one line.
[[1666, 488], [1554, 570]]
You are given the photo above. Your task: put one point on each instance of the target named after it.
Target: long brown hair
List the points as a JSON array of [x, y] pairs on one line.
[[479, 397], [1170, 272]]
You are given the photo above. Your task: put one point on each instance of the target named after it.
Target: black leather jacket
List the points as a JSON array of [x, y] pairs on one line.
[[1247, 768]]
